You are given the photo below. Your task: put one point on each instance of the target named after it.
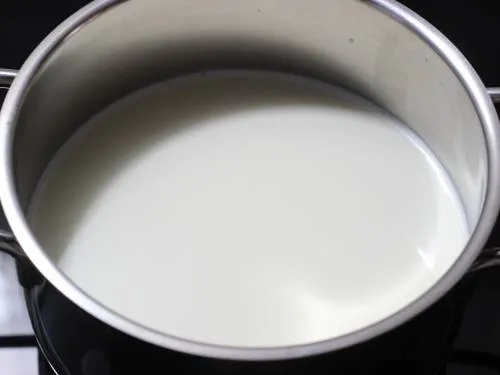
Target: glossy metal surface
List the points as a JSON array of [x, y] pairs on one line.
[[7, 76], [389, 54], [495, 94]]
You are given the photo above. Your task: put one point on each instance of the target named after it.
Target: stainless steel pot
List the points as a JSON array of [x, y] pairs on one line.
[[378, 48]]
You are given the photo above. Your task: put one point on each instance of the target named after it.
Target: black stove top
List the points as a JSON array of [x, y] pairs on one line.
[[459, 335]]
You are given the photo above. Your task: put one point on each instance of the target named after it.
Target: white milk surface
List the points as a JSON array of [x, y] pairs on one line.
[[249, 209]]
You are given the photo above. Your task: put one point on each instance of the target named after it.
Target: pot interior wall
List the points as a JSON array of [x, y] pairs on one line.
[[138, 42]]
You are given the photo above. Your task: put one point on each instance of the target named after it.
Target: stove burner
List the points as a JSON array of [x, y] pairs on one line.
[[421, 346], [425, 345]]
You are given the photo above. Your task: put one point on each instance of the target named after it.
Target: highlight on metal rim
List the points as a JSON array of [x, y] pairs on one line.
[[495, 94], [7, 76]]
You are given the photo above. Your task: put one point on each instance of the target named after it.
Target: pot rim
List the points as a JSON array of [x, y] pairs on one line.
[[421, 28]]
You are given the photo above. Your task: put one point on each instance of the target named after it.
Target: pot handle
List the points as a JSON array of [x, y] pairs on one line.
[[27, 274], [488, 258], [494, 94], [8, 243], [6, 77]]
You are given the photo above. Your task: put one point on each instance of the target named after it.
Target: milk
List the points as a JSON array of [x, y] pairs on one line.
[[249, 209]]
